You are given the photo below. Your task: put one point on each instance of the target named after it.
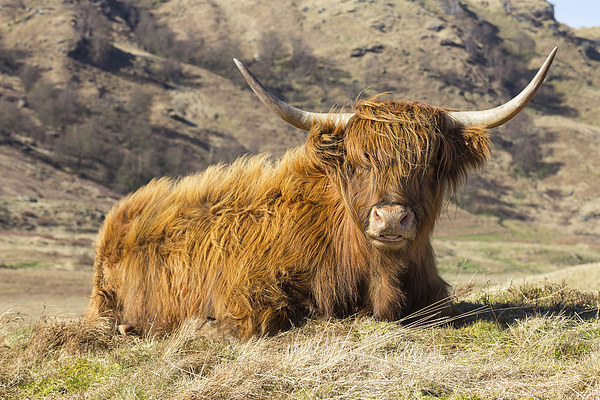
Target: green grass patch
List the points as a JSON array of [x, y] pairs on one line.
[[32, 264], [370, 326], [72, 378]]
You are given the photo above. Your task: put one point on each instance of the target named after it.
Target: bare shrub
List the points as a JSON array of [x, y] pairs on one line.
[[68, 106], [55, 107], [451, 77], [474, 51], [118, 147], [138, 164], [525, 46], [524, 142], [135, 130], [271, 47], [29, 75], [214, 56], [81, 145], [8, 61], [170, 71], [92, 33], [139, 103], [176, 159], [302, 61], [283, 61], [14, 122], [9, 58], [510, 73], [160, 39], [135, 171], [9, 118], [152, 36]]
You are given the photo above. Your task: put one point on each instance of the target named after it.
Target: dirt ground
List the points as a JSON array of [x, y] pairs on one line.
[[48, 223], [35, 291]]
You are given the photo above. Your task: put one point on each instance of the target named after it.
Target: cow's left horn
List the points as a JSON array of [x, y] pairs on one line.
[[504, 113], [290, 114]]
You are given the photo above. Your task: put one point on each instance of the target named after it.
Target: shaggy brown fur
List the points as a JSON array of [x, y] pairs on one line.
[[259, 244]]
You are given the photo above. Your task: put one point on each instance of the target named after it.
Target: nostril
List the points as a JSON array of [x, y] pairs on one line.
[[404, 219], [407, 218]]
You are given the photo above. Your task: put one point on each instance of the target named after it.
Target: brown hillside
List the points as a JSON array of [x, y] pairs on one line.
[[96, 98]]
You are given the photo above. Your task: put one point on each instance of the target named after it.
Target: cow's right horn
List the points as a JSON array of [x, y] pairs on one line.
[[290, 114], [504, 113]]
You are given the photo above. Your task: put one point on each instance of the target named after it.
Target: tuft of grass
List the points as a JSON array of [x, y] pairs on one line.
[[531, 341], [32, 264], [545, 296], [52, 337]]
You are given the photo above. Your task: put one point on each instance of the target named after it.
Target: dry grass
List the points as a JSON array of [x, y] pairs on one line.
[[527, 342]]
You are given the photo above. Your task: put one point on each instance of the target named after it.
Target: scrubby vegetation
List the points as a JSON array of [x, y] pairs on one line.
[[95, 119], [112, 140], [537, 341]]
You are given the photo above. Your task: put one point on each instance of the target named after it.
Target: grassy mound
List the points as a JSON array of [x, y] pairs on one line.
[[533, 341]]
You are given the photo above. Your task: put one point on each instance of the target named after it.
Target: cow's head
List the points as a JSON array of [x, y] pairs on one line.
[[394, 160], [397, 161]]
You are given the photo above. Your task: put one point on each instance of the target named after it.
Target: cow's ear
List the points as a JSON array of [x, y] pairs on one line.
[[325, 145], [477, 146], [462, 149]]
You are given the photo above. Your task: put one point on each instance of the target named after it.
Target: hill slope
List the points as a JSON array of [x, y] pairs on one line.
[[97, 98]]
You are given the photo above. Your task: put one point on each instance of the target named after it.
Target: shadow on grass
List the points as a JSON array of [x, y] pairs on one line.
[[529, 300]]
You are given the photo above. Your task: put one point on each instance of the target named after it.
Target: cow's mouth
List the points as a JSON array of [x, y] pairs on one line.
[[389, 242], [390, 238]]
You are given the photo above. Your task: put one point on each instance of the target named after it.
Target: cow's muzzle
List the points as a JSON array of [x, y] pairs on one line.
[[391, 226]]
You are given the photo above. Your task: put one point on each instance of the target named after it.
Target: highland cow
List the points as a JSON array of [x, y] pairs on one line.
[[338, 226]]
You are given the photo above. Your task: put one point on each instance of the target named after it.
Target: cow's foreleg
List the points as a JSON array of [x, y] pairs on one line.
[[386, 297]]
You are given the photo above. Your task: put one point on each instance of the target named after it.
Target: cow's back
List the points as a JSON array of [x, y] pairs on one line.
[[230, 243]]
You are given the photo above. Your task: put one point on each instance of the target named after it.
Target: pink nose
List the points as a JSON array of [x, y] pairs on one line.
[[393, 219]]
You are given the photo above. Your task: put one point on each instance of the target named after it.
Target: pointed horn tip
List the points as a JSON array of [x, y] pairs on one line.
[[241, 66], [500, 115], [553, 52], [549, 59]]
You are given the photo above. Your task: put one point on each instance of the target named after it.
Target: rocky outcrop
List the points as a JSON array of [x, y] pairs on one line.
[[361, 51], [455, 7], [532, 12]]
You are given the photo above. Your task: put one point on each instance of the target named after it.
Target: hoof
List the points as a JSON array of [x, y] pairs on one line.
[[124, 329]]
